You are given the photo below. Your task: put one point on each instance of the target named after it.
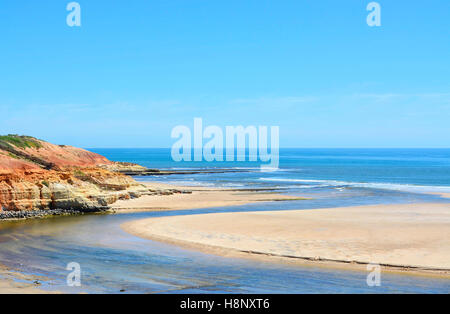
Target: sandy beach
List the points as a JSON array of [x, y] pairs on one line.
[[12, 282], [200, 197], [414, 237], [444, 195]]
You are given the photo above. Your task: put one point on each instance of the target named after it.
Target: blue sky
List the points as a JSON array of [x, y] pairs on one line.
[[135, 69]]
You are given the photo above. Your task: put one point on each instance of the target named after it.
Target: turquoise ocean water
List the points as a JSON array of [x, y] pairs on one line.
[[367, 175], [113, 260]]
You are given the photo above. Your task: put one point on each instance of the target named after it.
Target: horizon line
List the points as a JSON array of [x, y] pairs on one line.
[[318, 147]]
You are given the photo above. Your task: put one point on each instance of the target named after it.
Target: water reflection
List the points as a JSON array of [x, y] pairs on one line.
[[113, 260]]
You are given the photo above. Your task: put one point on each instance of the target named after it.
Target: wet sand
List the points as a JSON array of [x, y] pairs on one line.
[[444, 195], [201, 197], [412, 237], [407, 234], [12, 282]]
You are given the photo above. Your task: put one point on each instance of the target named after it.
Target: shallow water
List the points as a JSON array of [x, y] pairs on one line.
[[112, 260]]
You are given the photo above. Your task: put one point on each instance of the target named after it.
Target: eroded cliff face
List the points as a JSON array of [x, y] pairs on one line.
[[36, 175]]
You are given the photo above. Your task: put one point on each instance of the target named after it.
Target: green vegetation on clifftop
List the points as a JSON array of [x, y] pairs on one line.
[[19, 141]]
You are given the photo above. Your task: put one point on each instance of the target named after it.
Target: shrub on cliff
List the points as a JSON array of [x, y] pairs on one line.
[[19, 141]]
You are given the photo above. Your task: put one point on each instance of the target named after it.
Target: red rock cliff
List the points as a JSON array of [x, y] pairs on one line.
[[36, 175]]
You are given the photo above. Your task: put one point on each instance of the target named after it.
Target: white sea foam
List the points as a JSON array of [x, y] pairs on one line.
[[374, 185]]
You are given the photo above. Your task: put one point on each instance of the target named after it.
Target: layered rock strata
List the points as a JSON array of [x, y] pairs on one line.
[[39, 176]]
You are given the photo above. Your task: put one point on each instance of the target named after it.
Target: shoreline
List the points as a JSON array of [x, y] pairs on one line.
[[330, 237], [443, 195], [43, 214], [310, 262], [15, 282], [164, 197], [197, 197]]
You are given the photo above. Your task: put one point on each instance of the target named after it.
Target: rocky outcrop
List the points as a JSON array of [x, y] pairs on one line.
[[85, 190], [39, 176]]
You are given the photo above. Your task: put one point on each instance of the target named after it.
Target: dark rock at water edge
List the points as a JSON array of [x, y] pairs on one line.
[[24, 214]]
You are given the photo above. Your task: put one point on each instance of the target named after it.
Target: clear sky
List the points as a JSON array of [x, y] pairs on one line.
[[135, 69]]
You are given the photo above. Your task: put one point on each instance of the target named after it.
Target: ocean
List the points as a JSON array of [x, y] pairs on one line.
[[112, 260], [349, 176]]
